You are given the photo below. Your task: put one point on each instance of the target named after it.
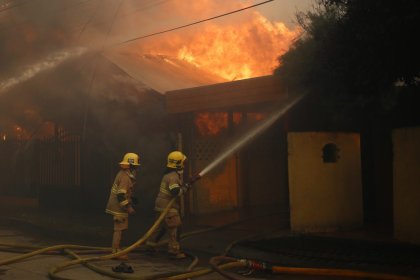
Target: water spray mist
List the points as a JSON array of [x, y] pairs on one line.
[[48, 63], [249, 136]]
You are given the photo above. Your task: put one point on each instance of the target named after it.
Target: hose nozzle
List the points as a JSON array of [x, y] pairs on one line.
[[195, 178]]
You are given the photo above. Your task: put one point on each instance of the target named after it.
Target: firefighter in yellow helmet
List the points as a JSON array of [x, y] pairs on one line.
[[120, 202], [172, 186]]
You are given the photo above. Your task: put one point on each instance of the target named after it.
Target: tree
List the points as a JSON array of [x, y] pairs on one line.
[[355, 47]]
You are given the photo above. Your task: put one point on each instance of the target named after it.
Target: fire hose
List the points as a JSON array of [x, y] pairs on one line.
[[58, 268], [52, 272], [229, 263], [216, 263], [66, 247], [276, 269]]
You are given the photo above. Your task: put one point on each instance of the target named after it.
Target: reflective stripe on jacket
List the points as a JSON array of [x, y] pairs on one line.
[[169, 181], [120, 195]]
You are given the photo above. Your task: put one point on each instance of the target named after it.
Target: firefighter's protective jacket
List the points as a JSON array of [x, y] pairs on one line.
[[121, 193], [169, 183]]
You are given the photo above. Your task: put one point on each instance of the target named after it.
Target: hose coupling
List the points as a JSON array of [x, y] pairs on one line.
[[261, 266], [195, 178]]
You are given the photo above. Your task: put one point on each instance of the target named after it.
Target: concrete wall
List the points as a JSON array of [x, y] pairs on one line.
[[265, 184], [324, 196], [406, 145]]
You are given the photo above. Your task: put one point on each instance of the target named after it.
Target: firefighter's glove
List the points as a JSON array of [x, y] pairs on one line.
[[131, 210], [182, 190]]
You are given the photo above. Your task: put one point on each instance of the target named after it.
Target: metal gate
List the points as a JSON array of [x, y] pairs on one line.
[[59, 160]]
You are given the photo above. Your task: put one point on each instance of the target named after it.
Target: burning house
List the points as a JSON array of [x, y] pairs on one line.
[[211, 117], [64, 129], [320, 173], [69, 139], [63, 150], [265, 176], [75, 95], [66, 144]]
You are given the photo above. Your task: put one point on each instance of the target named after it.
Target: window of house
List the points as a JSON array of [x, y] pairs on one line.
[[330, 153]]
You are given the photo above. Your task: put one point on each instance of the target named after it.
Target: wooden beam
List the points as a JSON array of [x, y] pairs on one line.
[[225, 95]]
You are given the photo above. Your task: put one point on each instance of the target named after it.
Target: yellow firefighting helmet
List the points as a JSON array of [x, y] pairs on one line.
[[176, 160], [130, 159]]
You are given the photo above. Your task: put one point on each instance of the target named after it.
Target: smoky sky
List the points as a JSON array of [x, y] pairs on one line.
[[27, 34], [86, 94], [38, 39]]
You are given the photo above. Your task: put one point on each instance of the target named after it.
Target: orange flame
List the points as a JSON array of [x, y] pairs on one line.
[[253, 117], [45, 130], [213, 123], [31, 125], [248, 47]]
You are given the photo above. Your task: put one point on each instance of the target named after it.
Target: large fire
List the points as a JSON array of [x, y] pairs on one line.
[[242, 48], [213, 123]]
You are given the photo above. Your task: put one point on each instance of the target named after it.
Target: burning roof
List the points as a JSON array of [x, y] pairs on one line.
[[265, 89], [242, 46], [161, 72]]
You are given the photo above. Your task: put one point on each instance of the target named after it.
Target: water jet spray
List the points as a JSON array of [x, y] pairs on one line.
[[247, 137], [51, 61]]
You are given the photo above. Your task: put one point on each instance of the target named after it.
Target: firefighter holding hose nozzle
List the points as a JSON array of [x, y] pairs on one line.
[[172, 186]]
